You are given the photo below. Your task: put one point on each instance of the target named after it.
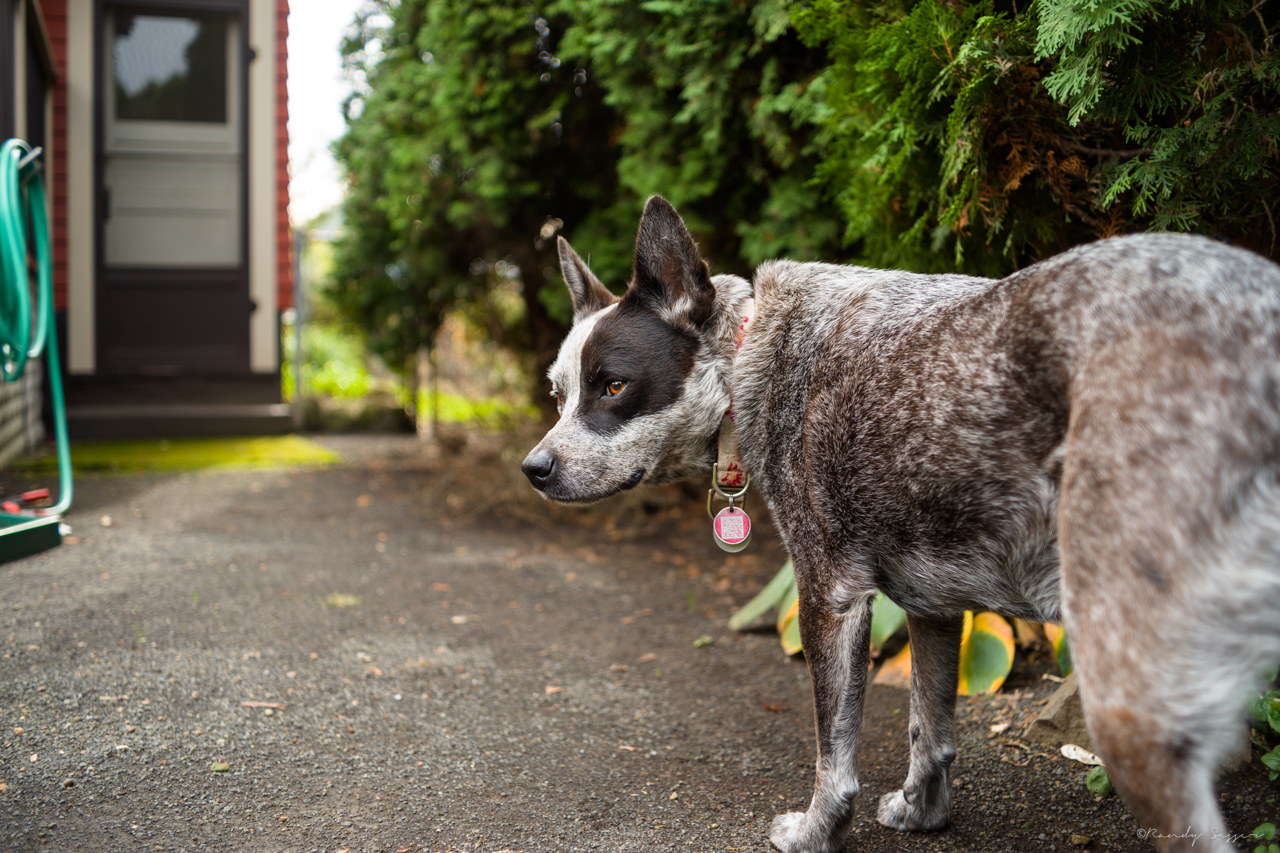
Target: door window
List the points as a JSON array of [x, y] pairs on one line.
[[173, 159]]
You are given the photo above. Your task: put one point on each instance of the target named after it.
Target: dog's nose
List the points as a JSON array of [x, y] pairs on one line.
[[539, 466]]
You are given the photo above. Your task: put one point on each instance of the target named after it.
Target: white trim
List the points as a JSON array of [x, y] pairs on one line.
[[20, 70], [81, 341], [264, 325]]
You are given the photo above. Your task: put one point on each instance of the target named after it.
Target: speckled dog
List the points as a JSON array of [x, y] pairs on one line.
[[1093, 440]]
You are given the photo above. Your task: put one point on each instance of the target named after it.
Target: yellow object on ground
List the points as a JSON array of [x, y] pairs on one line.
[[184, 454]]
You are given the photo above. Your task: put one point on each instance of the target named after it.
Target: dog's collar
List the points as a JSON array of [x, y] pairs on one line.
[[730, 474]]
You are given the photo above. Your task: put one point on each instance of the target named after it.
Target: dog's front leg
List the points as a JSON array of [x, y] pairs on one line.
[[925, 799], [837, 646]]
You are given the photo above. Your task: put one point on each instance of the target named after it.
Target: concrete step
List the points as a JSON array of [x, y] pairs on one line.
[[157, 420]]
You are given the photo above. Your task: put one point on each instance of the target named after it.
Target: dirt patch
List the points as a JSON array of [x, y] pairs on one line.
[[413, 652]]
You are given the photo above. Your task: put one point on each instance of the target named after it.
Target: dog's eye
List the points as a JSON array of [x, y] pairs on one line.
[[614, 388]]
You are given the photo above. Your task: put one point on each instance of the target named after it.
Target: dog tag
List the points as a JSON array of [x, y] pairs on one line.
[[732, 528]]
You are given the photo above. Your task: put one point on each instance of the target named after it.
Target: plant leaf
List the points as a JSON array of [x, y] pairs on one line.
[[886, 619], [986, 653], [1257, 708], [1272, 761], [767, 599], [1061, 650], [896, 671], [1099, 783], [790, 629], [1265, 832], [788, 603]]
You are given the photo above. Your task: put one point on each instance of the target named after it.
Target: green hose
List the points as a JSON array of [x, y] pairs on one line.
[[21, 200]]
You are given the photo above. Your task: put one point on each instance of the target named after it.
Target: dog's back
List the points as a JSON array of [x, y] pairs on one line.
[[1115, 410]]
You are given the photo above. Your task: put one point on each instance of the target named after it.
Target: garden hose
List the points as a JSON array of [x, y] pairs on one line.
[[22, 200]]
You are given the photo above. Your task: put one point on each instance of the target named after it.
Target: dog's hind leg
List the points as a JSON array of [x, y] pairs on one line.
[[924, 802], [837, 647]]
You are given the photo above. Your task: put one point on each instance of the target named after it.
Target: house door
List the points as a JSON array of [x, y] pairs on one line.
[[173, 291]]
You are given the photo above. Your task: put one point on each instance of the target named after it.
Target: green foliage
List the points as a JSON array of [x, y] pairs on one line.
[[489, 413], [1099, 783], [767, 599], [781, 595], [1265, 713], [932, 135], [480, 131], [986, 645], [1266, 833], [451, 150], [979, 136], [335, 363], [887, 619]]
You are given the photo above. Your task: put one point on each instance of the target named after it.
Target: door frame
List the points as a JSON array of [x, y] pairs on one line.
[[104, 276]]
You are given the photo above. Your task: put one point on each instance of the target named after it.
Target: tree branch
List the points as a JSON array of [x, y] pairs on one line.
[[1124, 153]]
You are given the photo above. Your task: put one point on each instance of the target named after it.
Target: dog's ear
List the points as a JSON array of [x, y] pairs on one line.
[[670, 275], [589, 295]]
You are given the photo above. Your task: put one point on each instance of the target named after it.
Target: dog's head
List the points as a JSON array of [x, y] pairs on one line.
[[641, 380]]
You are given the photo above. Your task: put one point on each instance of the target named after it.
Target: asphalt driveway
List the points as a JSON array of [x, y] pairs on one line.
[[409, 653]]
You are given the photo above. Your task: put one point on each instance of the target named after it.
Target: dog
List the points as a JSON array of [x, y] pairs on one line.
[[1093, 440]]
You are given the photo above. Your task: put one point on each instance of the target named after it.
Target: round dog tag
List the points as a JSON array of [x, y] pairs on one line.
[[732, 528]]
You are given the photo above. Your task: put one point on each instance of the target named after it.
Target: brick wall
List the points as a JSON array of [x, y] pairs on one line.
[[55, 16]]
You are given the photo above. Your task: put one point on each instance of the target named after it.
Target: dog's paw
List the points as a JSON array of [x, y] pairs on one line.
[[896, 813], [792, 833]]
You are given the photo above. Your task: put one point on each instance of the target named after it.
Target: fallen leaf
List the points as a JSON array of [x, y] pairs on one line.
[[650, 656], [777, 709], [999, 728], [1076, 753], [551, 689], [220, 767], [896, 671], [629, 748], [364, 500]]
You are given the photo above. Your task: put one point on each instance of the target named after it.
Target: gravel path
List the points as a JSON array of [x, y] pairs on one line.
[[410, 653]]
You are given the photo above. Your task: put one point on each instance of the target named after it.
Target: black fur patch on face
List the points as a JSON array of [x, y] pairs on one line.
[[632, 345]]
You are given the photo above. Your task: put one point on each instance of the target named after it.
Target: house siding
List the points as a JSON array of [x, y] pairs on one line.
[[284, 245]]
